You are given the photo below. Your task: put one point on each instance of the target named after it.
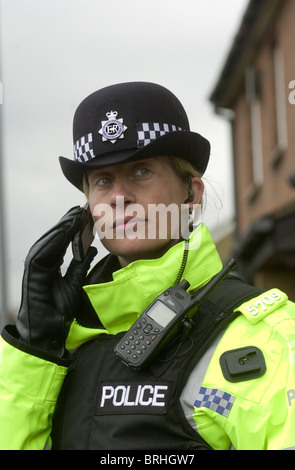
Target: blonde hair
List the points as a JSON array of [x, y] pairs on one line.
[[85, 185], [185, 171], [183, 168]]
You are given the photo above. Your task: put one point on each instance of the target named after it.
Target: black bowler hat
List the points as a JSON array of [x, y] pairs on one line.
[[131, 121]]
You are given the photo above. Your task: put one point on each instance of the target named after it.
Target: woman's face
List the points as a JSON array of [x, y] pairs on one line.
[[137, 207]]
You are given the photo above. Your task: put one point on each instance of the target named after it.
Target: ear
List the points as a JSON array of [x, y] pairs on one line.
[[198, 190]]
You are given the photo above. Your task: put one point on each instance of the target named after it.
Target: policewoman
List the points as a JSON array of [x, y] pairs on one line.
[[227, 378]]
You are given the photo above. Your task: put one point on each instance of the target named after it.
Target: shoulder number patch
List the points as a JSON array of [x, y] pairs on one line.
[[259, 307]]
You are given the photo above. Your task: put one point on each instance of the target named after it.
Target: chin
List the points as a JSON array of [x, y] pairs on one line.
[[129, 250]]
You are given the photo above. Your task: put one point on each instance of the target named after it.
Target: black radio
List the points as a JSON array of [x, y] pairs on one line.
[[162, 321]]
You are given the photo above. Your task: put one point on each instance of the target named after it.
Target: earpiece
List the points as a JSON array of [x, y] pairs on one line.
[[190, 189]]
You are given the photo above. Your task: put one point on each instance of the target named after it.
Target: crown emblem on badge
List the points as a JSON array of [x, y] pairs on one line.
[[112, 129], [112, 115]]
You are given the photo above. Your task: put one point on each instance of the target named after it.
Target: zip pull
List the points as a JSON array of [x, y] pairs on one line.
[[220, 317]]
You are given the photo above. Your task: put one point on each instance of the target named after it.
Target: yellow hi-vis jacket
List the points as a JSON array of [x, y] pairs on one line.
[[228, 408]]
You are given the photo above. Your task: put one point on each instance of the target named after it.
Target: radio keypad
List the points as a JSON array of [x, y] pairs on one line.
[[137, 342]]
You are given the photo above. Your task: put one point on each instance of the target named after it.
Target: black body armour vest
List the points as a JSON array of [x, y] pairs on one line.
[[105, 405]]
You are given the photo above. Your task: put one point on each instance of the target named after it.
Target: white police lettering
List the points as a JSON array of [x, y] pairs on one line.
[[118, 398], [145, 395]]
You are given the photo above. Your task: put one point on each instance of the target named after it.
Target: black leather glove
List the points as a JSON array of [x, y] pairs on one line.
[[49, 300]]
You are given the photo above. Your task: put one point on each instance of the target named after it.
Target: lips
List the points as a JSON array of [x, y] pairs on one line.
[[127, 222]]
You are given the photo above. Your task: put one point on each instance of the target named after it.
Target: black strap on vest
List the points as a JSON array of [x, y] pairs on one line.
[[232, 292], [213, 316]]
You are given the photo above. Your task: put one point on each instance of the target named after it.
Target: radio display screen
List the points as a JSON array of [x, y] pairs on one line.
[[161, 314]]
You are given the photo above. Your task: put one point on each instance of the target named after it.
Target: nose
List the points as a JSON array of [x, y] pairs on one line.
[[122, 192]]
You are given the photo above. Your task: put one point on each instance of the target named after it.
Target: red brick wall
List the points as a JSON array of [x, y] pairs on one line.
[[276, 191]]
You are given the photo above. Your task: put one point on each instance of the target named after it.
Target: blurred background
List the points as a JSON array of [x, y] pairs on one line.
[[231, 65]]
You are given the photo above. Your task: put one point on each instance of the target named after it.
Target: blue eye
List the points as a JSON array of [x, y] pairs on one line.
[[143, 172], [103, 181]]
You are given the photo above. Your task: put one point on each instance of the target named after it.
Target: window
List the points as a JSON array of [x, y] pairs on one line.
[[253, 97], [280, 93]]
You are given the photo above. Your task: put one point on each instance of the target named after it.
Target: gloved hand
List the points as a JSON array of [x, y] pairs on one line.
[[50, 301]]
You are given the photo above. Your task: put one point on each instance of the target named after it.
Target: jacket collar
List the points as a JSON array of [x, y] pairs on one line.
[[121, 301]]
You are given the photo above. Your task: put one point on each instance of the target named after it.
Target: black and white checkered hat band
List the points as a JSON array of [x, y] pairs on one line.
[[146, 133], [83, 149]]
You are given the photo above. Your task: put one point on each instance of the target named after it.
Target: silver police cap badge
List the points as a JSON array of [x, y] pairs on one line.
[[112, 129]]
